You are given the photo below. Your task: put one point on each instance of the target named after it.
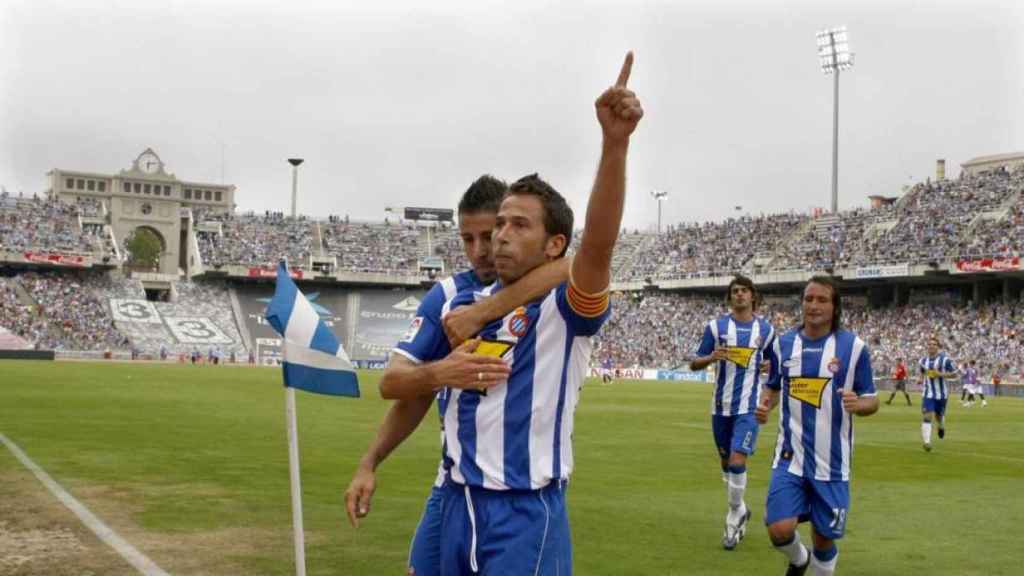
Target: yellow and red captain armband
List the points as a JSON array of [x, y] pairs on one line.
[[584, 304]]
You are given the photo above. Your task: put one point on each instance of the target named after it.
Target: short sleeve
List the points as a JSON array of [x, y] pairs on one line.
[[707, 342], [421, 340], [863, 378], [775, 365]]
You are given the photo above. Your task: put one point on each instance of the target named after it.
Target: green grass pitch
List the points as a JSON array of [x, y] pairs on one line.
[[189, 463]]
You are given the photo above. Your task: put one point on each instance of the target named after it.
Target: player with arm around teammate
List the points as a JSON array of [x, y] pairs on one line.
[[508, 449], [412, 378], [738, 342], [824, 379]]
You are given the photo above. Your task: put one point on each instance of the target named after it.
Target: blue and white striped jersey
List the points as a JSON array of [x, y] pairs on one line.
[[426, 331], [738, 387], [815, 433], [935, 384], [517, 435]]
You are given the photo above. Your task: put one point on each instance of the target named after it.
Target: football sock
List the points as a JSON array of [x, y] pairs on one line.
[[824, 561], [926, 432], [794, 550], [737, 485]]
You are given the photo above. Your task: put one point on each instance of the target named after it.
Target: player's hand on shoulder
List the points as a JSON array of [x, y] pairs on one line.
[[465, 369], [461, 324]]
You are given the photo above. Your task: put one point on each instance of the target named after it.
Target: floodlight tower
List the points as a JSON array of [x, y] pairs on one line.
[[659, 195], [834, 56], [295, 181]]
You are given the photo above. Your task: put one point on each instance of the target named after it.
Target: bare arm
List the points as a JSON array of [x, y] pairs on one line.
[[404, 379], [401, 420], [859, 405], [769, 400], [467, 321], [703, 362], [618, 111]]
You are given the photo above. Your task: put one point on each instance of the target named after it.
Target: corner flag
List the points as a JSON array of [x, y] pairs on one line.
[[314, 360]]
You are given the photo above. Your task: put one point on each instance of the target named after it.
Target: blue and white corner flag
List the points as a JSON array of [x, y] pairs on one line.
[[313, 358]]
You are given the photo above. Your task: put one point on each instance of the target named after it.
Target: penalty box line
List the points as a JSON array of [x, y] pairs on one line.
[[131, 554]]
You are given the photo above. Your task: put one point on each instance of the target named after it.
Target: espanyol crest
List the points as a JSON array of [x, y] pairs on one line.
[[833, 365], [519, 322]]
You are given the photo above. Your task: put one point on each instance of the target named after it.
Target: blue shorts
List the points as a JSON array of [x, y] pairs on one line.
[[825, 504], [505, 532], [934, 405], [734, 434], [425, 550]]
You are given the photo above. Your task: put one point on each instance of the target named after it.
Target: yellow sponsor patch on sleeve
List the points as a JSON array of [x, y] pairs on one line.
[[739, 356], [493, 348], [808, 390]]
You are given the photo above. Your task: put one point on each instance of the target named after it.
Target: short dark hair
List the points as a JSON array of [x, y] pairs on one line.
[[837, 301], [741, 280], [483, 195], [557, 213]]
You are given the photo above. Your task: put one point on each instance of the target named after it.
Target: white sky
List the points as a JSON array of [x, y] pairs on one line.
[[397, 103]]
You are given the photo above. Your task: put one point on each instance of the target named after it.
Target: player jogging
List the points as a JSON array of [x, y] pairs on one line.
[[736, 342], [899, 382], [935, 369], [824, 379]]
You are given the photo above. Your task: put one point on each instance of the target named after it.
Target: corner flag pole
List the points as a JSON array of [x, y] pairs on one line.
[[296, 482]]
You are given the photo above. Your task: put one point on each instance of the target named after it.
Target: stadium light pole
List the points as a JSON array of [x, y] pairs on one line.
[[834, 56], [659, 195], [295, 181]]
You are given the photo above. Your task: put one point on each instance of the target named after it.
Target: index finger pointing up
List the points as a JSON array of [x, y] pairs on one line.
[[627, 66]]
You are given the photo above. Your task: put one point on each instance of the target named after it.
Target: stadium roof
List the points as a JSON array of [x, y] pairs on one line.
[[994, 158]]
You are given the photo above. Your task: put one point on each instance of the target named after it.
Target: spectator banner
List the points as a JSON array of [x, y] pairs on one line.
[[384, 317], [196, 330], [270, 272], [882, 271], [430, 214], [268, 351], [989, 265], [56, 259], [134, 311]]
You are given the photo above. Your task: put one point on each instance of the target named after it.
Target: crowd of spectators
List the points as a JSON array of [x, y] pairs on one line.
[[390, 247], [68, 312], [254, 240], [663, 330], [712, 248], [46, 224]]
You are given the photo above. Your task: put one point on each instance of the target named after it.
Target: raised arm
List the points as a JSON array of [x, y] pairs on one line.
[[467, 321], [618, 111]]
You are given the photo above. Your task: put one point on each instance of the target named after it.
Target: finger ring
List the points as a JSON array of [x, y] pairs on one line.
[[479, 376]]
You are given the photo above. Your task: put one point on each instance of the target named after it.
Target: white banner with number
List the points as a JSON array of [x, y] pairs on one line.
[[134, 311], [196, 330]]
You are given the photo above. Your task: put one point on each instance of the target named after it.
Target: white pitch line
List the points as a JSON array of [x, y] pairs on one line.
[[137, 559]]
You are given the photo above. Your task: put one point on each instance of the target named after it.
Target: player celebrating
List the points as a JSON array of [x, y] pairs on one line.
[[477, 211], [899, 382], [935, 369], [508, 447], [824, 379], [737, 342]]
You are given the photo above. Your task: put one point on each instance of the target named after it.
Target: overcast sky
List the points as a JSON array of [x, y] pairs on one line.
[[399, 103]]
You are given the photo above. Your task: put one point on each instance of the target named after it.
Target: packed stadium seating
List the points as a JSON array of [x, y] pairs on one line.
[[47, 224]]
